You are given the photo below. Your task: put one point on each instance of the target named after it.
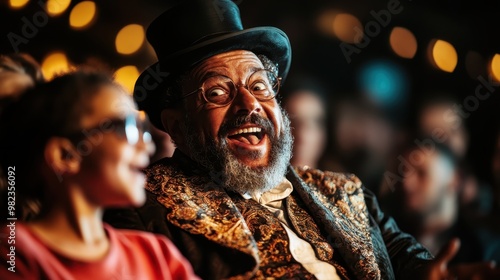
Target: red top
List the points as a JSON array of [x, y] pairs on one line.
[[132, 255]]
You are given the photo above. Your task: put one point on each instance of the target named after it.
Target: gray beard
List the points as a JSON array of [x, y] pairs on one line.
[[227, 171]]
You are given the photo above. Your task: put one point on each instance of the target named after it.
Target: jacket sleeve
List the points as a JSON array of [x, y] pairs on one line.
[[408, 257]]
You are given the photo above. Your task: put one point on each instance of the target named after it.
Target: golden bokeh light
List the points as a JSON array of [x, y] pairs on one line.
[[495, 67], [347, 28], [126, 76], [129, 39], [82, 15], [403, 42], [54, 64], [443, 55], [57, 7], [17, 4]]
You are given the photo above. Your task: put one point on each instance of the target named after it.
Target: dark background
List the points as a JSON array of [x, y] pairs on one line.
[[468, 25]]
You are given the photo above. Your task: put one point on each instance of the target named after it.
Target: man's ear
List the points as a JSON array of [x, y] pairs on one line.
[[171, 120], [61, 156]]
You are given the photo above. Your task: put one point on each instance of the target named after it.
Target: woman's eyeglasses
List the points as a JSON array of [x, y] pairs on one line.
[[133, 127]]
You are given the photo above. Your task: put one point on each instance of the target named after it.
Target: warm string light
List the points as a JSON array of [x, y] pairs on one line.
[[495, 67], [344, 26], [443, 55], [57, 7], [403, 42], [17, 4], [83, 15], [126, 76], [347, 28], [129, 39], [54, 64]]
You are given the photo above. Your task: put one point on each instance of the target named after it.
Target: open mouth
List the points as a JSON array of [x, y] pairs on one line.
[[249, 135]]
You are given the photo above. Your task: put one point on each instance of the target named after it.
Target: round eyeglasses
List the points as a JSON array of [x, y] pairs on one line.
[[221, 90]]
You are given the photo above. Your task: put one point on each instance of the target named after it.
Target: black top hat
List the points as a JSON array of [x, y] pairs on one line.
[[193, 31]]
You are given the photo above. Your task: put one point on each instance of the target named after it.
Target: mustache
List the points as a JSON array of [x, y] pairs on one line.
[[266, 124]]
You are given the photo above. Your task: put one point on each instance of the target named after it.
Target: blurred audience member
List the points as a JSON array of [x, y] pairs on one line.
[[305, 100], [84, 155], [439, 117], [362, 140], [425, 203]]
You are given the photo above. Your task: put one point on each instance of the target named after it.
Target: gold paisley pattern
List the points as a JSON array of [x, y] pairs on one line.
[[338, 228], [307, 229], [198, 207], [276, 260], [343, 196]]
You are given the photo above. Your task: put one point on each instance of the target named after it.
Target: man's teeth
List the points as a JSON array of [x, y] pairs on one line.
[[246, 130]]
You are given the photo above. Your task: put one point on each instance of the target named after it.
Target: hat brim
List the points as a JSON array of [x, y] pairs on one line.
[[269, 41]]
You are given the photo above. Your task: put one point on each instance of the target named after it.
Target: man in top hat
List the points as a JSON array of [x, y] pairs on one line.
[[228, 197]]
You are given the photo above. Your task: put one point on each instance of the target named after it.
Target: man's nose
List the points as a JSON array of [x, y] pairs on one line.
[[245, 103]]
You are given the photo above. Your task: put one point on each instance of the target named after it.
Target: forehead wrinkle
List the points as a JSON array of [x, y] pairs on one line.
[[218, 65]]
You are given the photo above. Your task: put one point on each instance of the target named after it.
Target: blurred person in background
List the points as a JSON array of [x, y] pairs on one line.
[[361, 139], [438, 116], [305, 100], [425, 203]]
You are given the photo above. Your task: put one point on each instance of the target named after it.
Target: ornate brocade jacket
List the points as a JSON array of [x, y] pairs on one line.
[[227, 237]]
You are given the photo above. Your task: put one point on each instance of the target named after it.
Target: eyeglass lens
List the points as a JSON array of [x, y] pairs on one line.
[[136, 127], [221, 90]]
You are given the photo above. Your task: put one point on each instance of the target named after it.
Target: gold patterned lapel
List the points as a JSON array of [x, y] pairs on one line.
[[198, 206], [337, 203], [307, 229]]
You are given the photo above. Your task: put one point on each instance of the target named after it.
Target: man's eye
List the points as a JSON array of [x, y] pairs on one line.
[[258, 86], [216, 92]]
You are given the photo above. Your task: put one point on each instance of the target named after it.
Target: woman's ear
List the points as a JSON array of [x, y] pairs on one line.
[[61, 156], [171, 120]]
